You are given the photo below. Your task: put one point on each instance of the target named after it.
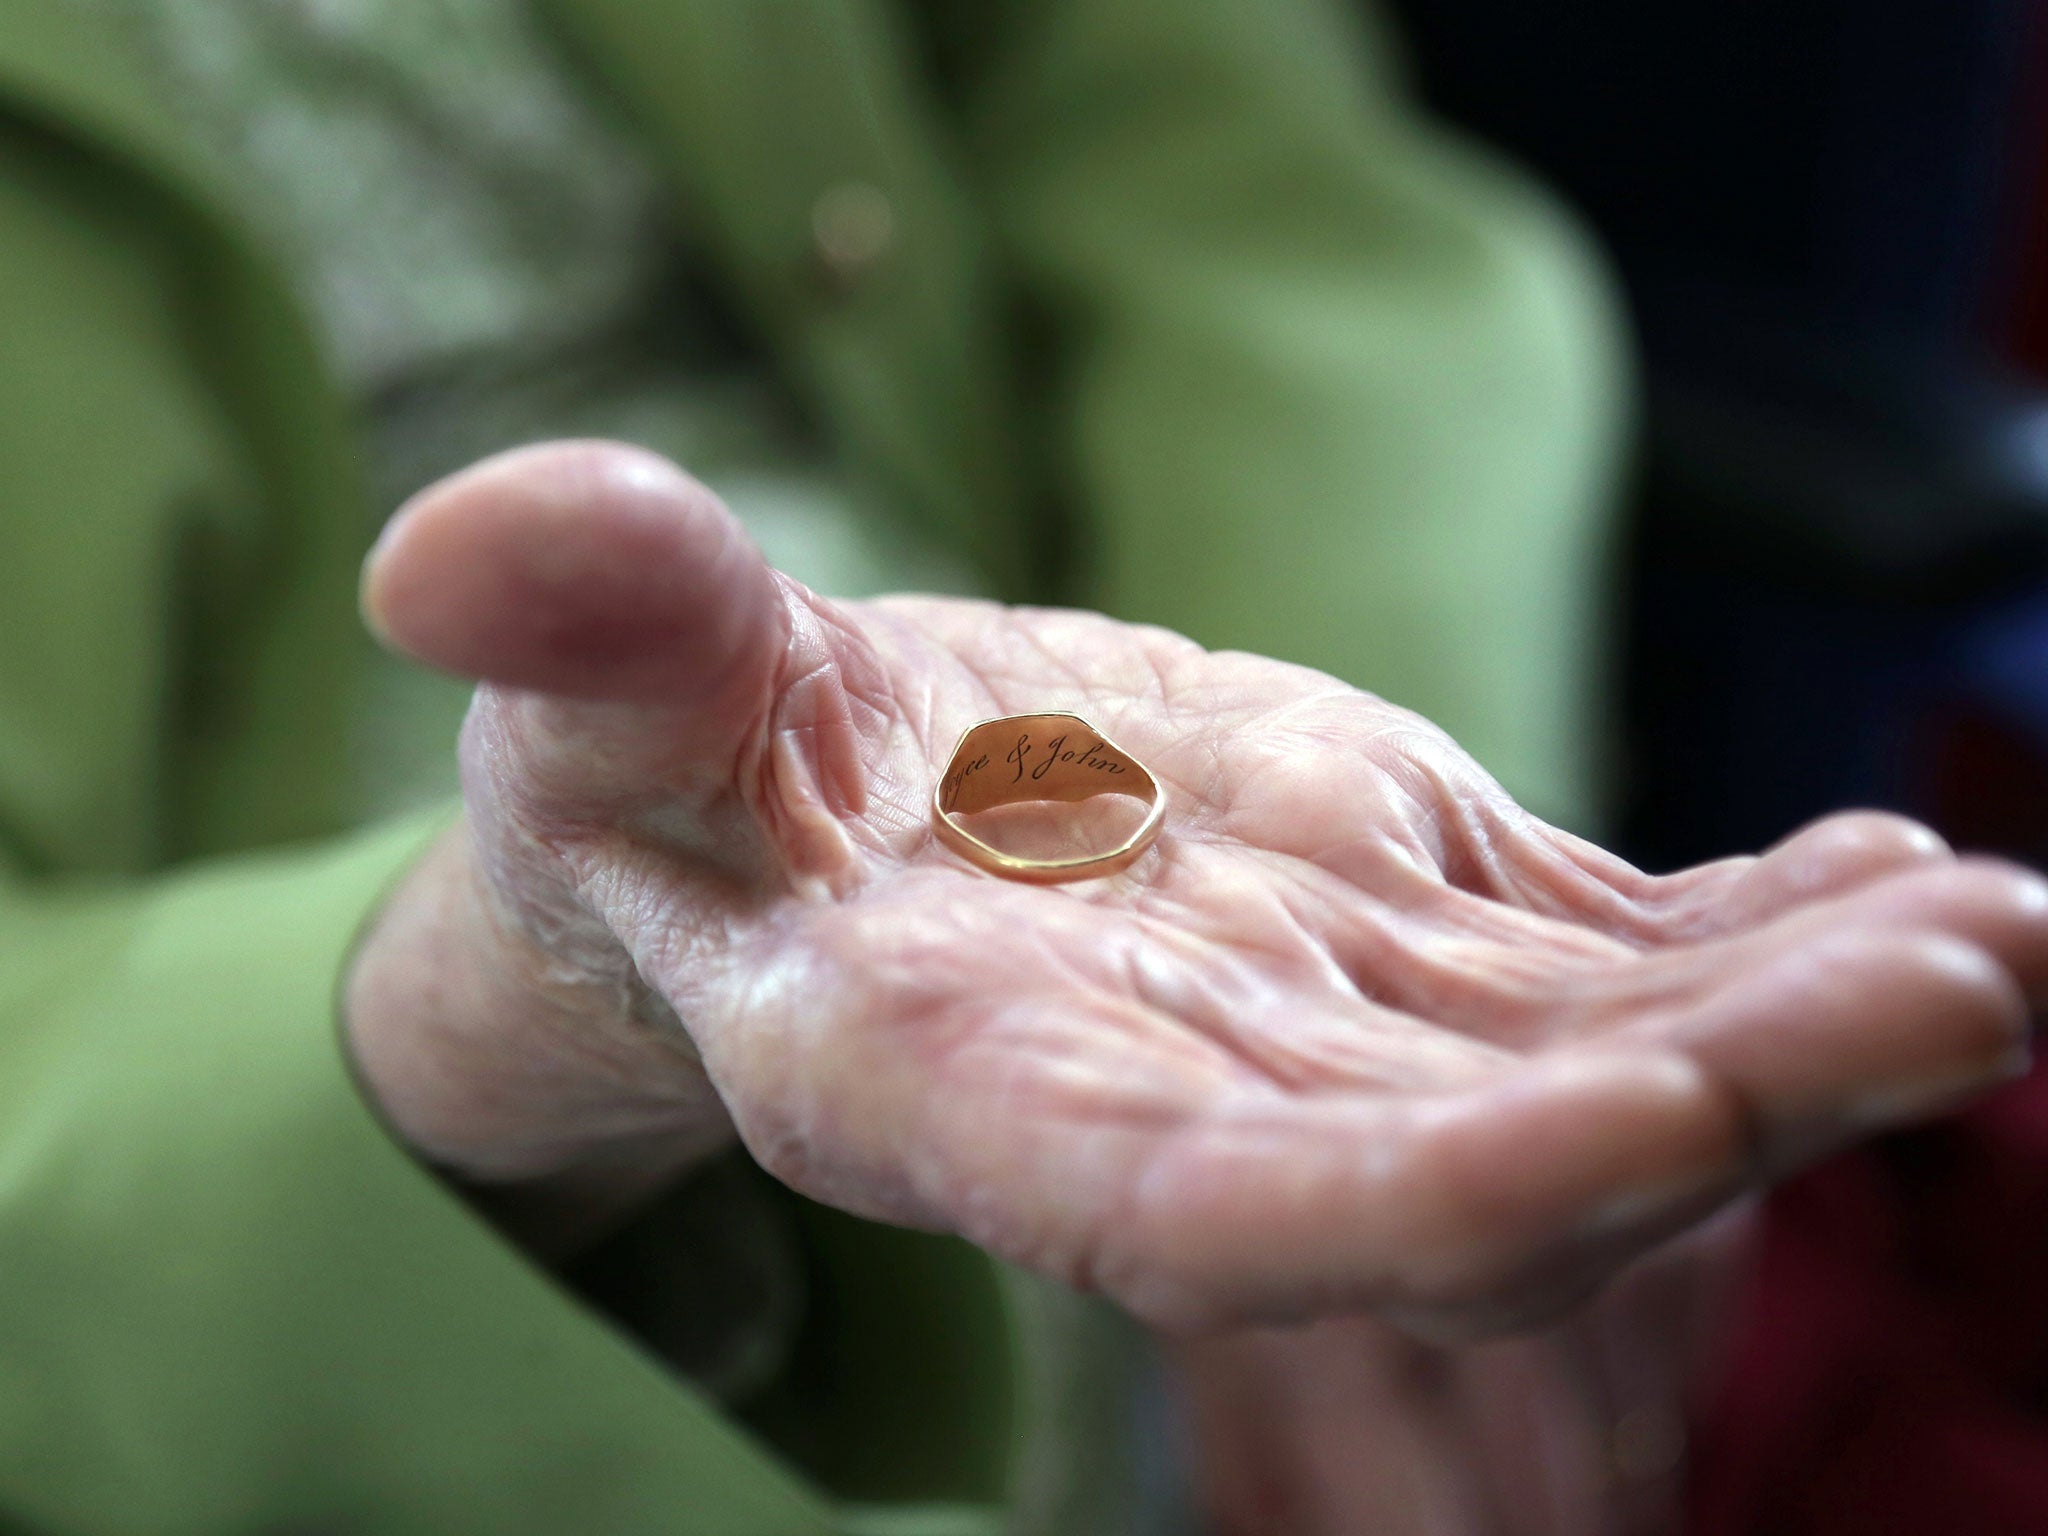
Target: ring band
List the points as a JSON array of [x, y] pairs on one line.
[[1054, 756]]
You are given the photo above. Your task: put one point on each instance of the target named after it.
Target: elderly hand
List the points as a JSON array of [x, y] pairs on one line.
[[1357, 1033]]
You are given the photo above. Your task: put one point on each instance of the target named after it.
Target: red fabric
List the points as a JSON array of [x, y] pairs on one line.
[[1890, 1366]]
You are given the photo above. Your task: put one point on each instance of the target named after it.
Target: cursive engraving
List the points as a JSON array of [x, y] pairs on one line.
[[949, 788], [1072, 764], [1090, 756]]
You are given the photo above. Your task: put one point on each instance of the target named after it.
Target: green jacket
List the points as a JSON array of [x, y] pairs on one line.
[[1181, 316]]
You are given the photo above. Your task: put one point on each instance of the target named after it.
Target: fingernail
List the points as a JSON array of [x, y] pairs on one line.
[[1632, 1207], [1928, 1097], [365, 608], [2030, 905]]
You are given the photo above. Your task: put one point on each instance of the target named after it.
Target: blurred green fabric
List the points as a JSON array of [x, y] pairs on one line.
[[1170, 307]]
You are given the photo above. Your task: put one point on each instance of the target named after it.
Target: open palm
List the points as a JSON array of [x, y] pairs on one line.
[[1356, 1032]]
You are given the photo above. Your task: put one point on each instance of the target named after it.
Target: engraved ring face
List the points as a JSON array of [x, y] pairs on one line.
[[1055, 756]]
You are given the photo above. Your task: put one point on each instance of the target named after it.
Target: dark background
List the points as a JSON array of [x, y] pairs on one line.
[[1829, 217]]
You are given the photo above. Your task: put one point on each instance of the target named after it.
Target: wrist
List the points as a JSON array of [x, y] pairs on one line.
[[558, 1096]]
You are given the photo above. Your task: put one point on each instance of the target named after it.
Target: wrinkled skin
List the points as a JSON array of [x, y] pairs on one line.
[[1351, 1427], [1357, 1033]]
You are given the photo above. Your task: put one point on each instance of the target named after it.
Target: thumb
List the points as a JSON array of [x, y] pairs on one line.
[[634, 630]]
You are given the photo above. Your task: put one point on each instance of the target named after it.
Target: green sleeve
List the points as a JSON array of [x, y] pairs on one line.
[[1323, 383], [232, 1305], [229, 1303]]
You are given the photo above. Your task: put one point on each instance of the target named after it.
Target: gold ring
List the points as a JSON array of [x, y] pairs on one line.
[[1054, 756]]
